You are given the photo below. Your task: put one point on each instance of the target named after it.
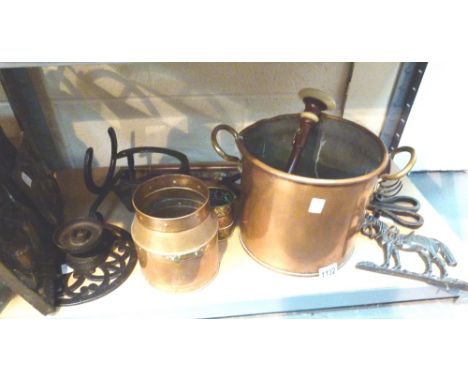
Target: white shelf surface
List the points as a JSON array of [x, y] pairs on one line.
[[244, 287]]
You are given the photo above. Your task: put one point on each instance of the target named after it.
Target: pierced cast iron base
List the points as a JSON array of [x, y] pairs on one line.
[[106, 272]]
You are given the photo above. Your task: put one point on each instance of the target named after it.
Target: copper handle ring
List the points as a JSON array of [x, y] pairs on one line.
[[405, 170]]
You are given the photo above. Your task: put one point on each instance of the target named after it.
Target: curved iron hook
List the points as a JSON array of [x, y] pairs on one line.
[[129, 153], [88, 166]]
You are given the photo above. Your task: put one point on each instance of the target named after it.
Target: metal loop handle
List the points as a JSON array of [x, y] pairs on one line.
[[217, 147], [184, 167], [88, 166], [405, 170]]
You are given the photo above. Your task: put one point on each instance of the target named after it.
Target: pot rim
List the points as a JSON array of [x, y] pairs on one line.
[[308, 180], [173, 224]]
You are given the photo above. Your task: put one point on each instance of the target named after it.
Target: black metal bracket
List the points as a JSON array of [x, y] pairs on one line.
[[402, 99], [32, 108]]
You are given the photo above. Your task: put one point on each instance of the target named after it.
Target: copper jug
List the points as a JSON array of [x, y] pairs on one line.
[[175, 232]]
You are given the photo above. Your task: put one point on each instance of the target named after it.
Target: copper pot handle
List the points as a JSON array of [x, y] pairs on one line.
[[405, 170], [217, 147]]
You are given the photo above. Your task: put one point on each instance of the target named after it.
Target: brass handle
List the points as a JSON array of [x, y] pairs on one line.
[[405, 170], [217, 147]]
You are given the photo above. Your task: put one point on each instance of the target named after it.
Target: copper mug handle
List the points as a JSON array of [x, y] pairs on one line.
[[405, 170], [217, 147]]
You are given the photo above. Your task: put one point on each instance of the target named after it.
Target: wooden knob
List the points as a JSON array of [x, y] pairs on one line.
[[325, 99]]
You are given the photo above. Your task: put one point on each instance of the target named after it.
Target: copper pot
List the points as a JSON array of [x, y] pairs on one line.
[[175, 232], [300, 223]]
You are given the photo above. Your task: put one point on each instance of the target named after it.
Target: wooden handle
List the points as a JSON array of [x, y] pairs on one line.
[[315, 102]]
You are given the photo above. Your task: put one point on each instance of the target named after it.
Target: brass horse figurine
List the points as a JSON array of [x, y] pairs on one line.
[[391, 241]]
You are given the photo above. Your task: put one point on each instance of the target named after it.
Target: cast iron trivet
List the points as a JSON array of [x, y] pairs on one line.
[[28, 263], [96, 272], [29, 181], [30, 208]]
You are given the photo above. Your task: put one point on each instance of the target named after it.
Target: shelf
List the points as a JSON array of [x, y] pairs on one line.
[[243, 286]]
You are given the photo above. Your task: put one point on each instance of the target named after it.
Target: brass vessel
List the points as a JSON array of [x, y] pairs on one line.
[[222, 203], [175, 232]]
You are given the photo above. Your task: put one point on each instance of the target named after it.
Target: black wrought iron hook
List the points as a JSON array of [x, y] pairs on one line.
[[88, 166], [129, 154]]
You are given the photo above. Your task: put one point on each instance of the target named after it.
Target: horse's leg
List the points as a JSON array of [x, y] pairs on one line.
[[437, 260], [427, 261], [387, 255], [396, 257]]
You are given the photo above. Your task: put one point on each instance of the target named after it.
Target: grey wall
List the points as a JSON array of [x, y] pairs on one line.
[[176, 104]]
